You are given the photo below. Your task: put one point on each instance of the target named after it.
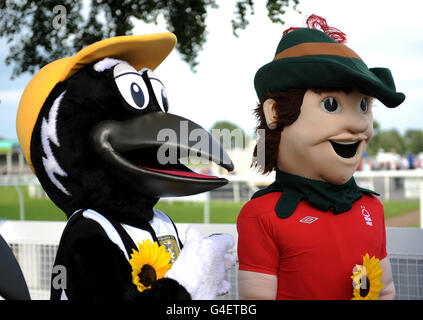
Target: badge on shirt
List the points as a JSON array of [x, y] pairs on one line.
[[171, 245]]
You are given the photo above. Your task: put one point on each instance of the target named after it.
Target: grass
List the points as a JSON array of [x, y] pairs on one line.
[[396, 208], [193, 212], [35, 209], [182, 212]]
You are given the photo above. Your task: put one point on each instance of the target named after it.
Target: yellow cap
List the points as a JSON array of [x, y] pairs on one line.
[[139, 51]]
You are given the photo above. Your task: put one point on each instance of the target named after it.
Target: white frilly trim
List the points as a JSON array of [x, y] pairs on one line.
[[106, 63]]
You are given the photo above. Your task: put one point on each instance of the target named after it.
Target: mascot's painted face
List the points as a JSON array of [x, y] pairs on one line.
[[329, 137], [99, 142]]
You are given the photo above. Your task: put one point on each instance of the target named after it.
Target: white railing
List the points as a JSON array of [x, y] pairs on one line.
[[413, 186], [413, 177], [18, 180], [413, 183]]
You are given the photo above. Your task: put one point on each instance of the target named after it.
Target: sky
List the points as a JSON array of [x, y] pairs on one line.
[[384, 33]]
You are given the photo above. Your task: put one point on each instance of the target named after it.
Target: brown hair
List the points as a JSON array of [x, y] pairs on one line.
[[288, 107]]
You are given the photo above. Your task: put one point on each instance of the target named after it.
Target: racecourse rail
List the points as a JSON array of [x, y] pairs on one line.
[[411, 181]]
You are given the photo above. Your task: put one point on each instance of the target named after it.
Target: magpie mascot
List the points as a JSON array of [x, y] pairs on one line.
[[96, 131]]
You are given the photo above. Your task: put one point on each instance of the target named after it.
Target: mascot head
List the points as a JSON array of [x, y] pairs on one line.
[[315, 103], [96, 131]]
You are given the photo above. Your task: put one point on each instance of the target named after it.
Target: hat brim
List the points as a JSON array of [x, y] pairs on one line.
[[145, 51], [324, 71]]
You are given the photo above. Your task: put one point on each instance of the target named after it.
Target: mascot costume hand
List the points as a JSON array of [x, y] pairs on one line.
[[90, 127]]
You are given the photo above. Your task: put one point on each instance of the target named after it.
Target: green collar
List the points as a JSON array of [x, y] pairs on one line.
[[322, 195]]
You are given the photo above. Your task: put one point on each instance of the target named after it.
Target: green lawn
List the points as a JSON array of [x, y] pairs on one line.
[[35, 209], [183, 212], [193, 212], [44, 209], [396, 208]]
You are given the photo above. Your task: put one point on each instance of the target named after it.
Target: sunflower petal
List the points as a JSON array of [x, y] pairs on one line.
[[372, 271], [151, 254]]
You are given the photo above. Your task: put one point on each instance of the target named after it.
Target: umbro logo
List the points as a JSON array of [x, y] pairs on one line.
[[308, 219]]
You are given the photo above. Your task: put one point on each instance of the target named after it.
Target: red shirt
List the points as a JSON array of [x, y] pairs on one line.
[[312, 252]]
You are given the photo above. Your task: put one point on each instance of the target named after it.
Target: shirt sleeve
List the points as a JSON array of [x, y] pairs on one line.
[[257, 250]]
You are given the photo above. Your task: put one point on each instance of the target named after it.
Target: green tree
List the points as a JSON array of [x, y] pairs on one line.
[[39, 31], [229, 135], [372, 148], [389, 140], [413, 140]]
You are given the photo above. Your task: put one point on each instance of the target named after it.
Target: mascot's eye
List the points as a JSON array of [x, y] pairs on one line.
[[160, 93], [131, 86], [137, 94], [158, 88], [133, 89], [331, 105], [364, 105]]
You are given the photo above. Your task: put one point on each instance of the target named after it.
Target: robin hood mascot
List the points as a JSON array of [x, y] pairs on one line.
[[90, 126], [313, 233]]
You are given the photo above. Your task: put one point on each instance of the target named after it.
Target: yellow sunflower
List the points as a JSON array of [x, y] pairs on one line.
[[367, 279], [149, 263]]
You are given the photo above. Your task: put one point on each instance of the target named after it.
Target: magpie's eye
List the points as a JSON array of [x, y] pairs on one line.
[[160, 93], [131, 86], [364, 105], [158, 88], [330, 105]]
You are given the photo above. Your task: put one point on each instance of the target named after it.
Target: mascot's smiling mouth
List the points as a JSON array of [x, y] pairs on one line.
[[345, 149], [134, 150]]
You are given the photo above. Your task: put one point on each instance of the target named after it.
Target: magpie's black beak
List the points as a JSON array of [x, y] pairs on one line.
[[146, 153]]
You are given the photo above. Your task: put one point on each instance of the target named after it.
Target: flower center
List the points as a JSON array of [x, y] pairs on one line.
[[147, 275], [364, 286]]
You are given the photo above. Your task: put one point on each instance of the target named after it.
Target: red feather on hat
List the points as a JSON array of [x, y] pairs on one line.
[[317, 22]]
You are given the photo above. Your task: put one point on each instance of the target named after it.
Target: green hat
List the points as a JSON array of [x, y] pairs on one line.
[[309, 58]]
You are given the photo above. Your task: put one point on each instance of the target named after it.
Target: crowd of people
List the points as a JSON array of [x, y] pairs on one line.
[[390, 161]]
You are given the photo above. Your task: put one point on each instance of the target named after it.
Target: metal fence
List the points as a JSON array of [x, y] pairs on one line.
[[405, 250]]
